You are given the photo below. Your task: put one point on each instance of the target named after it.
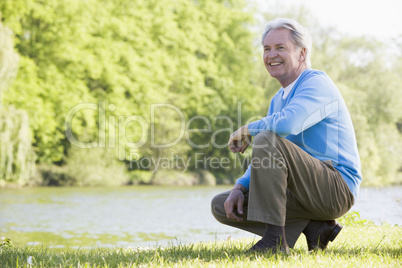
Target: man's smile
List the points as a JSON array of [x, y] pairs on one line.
[[275, 63]]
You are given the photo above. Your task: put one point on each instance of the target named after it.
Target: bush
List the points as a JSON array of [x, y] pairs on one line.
[[52, 175], [95, 167], [140, 177], [85, 167]]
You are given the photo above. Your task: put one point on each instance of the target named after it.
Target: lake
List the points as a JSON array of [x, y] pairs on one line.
[[140, 215]]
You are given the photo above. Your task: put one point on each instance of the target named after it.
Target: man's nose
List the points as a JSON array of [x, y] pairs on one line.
[[271, 54]]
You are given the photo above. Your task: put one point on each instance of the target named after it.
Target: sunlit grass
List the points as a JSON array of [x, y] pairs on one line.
[[357, 246]]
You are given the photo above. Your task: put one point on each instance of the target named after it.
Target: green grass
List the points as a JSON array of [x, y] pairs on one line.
[[360, 244]]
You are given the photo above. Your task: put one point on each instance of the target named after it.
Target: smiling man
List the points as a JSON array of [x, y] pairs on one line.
[[305, 167]]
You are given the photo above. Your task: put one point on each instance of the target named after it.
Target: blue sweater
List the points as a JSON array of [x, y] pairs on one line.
[[314, 117]]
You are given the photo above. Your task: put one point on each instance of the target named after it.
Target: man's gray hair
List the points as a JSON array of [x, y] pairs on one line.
[[300, 36]]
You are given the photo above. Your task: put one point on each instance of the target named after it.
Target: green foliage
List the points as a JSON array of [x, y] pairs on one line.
[[193, 55], [140, 177], [95, 167], [53, 175], [85, 167], [8, 60], [17, 160], [353, 219]]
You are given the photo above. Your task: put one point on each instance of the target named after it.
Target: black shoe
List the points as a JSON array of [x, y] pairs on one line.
[[326, 231], [262, 247]]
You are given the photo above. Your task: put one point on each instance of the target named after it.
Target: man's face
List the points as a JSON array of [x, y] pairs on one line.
[[283, 60]]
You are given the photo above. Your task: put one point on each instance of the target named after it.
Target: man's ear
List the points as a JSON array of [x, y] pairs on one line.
[[302, 54]]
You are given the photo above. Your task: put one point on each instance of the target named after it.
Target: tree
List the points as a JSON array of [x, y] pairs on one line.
[[17, 161], [124, 57]]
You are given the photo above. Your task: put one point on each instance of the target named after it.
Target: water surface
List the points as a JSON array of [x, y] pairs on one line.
[[139, 216]]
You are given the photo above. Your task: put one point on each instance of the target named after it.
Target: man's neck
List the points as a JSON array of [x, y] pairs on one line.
[[294, 76]]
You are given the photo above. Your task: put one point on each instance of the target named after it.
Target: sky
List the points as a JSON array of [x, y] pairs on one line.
[[381, 18]]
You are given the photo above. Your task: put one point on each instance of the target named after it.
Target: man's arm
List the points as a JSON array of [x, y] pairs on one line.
[[245, 179], [238, 142], [312, 103]]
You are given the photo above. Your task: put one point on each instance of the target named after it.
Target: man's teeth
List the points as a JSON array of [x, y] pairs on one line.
[[275, 63]]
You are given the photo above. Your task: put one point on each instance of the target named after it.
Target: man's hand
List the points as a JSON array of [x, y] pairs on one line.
[[239, 140], [235, 199]]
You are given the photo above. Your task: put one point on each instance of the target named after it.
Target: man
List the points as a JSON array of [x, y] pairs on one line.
[[305, 167]]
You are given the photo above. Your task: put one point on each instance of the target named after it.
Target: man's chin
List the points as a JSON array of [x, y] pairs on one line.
[[274, 74]]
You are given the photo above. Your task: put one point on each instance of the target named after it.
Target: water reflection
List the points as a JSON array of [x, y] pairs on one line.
[[135, 216]]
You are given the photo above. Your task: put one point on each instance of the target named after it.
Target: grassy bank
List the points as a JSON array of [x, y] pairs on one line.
[[358, 245]]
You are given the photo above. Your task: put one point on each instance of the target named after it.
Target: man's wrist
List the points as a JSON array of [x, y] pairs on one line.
[[239, 187], [245, 130]]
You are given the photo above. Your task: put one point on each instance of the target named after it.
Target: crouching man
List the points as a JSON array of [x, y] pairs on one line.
[[305, 168]]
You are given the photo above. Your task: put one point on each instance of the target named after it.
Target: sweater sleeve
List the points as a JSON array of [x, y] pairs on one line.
[[245, 179], [308, 106]]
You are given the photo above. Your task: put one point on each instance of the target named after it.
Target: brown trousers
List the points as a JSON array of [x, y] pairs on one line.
[[288, 187]]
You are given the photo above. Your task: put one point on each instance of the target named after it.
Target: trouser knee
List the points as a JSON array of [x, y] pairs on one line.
[[217, 207], [267, 151], [265, 139]]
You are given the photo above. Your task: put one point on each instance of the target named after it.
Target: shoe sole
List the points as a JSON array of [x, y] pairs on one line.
[[337, 229]]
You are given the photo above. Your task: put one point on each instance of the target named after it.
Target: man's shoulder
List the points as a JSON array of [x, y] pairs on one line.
[[314, 77], [316, 83], [313, 73]]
